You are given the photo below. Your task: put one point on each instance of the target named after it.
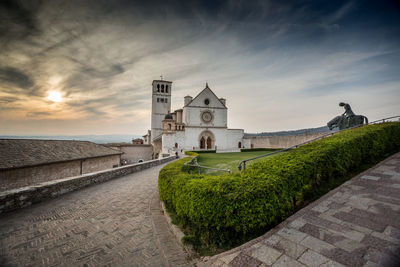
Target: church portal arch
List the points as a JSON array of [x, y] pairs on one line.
[[206, 140]]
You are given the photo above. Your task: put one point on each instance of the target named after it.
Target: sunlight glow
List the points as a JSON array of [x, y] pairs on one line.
[[54, 96]]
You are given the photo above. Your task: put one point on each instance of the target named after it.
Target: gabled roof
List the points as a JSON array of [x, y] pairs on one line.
[[202, 91], [16, 153]]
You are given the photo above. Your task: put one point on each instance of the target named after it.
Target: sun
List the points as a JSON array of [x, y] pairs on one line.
[[54, 96]]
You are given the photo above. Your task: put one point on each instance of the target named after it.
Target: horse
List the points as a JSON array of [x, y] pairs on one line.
[[344, 122]]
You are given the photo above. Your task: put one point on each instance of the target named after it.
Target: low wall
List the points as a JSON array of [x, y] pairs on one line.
[[278, 141], [26, 196], [26, 176]]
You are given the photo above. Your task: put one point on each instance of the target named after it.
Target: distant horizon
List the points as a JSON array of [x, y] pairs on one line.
[[99, 139], [135, 135]]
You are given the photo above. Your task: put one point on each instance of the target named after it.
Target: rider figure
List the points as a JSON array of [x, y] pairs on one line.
[[347, 115]]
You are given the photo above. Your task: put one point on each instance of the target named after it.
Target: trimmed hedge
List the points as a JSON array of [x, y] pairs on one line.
[[226, 209]]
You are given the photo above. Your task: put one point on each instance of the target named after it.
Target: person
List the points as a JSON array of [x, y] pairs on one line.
[[176, 154]]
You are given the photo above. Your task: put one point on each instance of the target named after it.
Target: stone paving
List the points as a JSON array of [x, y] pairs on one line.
[[117, 223], [357, 224]]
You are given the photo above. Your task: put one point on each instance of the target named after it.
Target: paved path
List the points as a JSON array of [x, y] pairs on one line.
[[357, 224], [117, 223]]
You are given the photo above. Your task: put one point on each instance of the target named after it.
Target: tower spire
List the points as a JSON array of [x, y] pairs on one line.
[[207, 85]]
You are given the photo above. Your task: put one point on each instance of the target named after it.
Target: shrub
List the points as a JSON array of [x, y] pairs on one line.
[[226, 209], [190, 153]]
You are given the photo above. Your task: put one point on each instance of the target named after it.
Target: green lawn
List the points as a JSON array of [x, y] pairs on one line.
[[228, 160]]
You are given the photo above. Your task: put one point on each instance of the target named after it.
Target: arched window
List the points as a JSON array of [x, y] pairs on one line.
[[169, 126], [158, 88], [239, 144], [176, 145], [166, 88], [162, 89]]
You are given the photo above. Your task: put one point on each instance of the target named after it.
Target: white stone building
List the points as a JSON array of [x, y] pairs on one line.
[[201, 124]]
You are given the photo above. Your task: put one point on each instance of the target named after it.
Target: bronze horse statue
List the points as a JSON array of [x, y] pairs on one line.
[[347, 120]]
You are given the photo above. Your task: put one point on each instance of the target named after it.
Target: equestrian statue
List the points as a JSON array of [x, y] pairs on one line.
[[347, 120]]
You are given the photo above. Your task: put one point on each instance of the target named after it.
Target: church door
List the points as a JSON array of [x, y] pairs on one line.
[[202, 143], [209, 143]]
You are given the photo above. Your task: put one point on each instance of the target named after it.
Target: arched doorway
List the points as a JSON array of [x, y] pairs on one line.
[[209, 143], [202, 143], [206, 140]]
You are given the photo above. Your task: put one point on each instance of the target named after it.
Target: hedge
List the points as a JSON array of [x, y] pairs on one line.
[[226, 209]]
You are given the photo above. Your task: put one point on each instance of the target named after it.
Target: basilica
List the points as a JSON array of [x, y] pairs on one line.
[[201, 124]]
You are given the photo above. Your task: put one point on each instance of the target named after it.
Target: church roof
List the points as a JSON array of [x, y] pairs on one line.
[[168, 116], [206, 88], [17, 153]]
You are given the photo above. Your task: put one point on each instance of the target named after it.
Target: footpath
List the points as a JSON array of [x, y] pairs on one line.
[[357, 224], [116, 223]]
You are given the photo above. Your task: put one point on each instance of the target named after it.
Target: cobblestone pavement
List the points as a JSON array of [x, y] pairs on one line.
[[117, 223], [357, 224]]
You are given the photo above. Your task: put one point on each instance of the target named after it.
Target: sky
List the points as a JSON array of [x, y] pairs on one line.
[[86, 67]]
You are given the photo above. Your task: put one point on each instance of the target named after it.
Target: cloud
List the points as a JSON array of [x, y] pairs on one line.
[[15, 77], [18, 19], [38, 114], [265, 57]]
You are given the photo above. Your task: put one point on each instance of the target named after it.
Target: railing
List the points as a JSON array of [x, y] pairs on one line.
[[243, 162], [193, 163]]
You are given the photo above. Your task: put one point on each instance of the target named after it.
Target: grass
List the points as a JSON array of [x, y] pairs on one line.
[[229, 160]]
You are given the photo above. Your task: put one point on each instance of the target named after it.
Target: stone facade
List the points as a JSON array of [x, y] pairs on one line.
[[201, 124], [161, 105], [25, 176]]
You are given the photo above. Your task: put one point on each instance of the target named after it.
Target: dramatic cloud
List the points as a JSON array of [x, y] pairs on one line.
[[280, 64]]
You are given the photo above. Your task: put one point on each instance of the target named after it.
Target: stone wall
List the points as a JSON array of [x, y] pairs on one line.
[[20, 177], [132, 153], [26, 196], [278, 141], [100, 163]]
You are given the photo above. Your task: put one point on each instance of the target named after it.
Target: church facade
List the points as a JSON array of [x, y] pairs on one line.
[[201, 124]]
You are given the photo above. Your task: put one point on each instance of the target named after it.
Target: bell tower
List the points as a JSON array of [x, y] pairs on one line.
[[160, 106]]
